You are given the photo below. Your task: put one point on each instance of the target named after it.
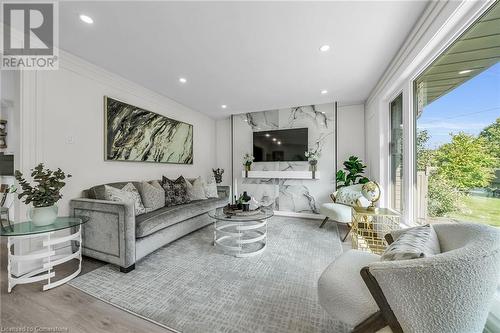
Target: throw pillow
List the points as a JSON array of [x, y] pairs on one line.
[[418, 242], [153, 197], [348, 195], [175, 191], [196, 190], [211, 188], [127, 194], [156, 184]]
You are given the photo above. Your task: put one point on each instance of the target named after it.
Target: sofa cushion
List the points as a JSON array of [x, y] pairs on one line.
[[175, 191], [149, 223], [195, 189], [153, 197], [128, 193], [210, 187]]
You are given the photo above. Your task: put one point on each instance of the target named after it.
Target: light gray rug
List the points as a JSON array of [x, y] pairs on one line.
[[191, 287]]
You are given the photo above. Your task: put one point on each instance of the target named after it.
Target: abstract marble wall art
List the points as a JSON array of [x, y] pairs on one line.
[[138, 135]]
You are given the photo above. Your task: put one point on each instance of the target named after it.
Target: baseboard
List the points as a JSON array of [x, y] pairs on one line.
[[303, 215]]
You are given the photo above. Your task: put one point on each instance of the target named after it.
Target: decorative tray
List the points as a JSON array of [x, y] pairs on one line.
[[240, 212]]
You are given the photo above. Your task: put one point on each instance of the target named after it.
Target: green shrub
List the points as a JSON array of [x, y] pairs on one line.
[[443, 198]]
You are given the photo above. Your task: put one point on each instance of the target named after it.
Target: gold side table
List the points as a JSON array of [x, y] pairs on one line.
[[369, 228]]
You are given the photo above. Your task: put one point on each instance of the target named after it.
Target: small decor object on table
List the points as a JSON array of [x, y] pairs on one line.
[[247, 162], [371, 191], [218, 175], [370, 227], [45, 271], [245, 201], [44, 195], [313, 156]]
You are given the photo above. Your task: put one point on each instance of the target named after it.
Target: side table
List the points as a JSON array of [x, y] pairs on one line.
[[19, 232], [369, 228]]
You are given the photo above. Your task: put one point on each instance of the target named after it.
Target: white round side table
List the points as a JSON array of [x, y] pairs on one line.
[[26, 231], [240, 235]]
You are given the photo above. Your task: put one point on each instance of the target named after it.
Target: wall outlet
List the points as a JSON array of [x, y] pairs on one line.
[[70, 140]]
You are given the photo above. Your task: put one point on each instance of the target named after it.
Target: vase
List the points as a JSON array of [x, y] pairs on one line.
[[248, 167], [313, 166], [41, 216]]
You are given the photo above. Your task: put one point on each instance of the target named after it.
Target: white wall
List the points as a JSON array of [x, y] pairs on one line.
[[63, 126], [440, 25], [350, 133], [223, 150], [10, 111]]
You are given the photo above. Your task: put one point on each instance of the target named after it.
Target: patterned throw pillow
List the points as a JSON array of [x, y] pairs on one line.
[[153, 197], [175, 191], [196, 190], [127, 194], [349, 195], [418, 242], [211, 188]]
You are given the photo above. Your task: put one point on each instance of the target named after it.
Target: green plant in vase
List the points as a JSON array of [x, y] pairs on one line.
[[352, 174], [44, 195]]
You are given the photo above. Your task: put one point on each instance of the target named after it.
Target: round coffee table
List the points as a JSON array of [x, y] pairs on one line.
[[17, 233], [241, 235]]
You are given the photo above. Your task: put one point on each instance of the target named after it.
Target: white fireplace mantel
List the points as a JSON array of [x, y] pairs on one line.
[[289, 174]]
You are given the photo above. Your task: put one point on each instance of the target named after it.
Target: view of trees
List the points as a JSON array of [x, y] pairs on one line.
[[465, 163]]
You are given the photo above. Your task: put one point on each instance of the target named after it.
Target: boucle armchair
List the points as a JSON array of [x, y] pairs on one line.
[[447, 293]]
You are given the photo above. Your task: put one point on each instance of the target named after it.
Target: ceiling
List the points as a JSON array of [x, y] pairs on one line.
[[248, 56], [475, 51]]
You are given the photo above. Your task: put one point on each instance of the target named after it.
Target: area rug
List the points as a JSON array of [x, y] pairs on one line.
[[189, 286]]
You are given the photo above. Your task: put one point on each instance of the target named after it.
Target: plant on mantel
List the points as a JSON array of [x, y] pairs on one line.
[[353, 174], [247, 161]]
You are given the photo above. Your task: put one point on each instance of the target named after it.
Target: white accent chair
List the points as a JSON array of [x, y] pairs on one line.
[[447, 293], [342, 213]]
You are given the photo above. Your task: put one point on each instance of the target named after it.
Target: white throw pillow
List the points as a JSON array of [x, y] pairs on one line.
[[418, 242], [211, 188], [127, 194], [196, 190], [349, 195]]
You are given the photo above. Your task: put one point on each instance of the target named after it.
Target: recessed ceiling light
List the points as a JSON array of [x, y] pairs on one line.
[[324, 92], [223, 106], [268, 135], [86, 19], [274, 139], [279, 142], [324, 48], [465, 71], [182, 80]]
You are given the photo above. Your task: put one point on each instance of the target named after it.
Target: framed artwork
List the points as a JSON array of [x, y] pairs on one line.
[[136, 135]]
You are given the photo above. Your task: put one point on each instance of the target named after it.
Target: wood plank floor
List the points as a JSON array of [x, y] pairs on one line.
[[63, 307]]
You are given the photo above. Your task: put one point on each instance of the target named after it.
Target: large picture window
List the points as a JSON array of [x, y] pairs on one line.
[[458, 129]]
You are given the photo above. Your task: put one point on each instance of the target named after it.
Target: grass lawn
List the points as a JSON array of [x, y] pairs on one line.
[[480, 210]]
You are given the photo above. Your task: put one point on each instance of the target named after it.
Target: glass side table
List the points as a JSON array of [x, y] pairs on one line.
[[369, 228], [241, 235], [26, 231]]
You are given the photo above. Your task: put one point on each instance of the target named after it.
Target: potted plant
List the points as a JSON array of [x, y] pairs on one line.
[[43, 195], [353, 174], [313, 156], [247, 162]]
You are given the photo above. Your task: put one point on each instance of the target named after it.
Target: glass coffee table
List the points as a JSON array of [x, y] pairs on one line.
[[17, 233], [241, 235]]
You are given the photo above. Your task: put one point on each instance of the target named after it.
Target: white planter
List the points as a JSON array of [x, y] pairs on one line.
[[41, 216]]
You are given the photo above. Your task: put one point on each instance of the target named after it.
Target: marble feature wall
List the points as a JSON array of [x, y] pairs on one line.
[[288, 195]]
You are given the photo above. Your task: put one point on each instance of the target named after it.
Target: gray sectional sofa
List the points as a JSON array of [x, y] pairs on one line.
[[115, 235]]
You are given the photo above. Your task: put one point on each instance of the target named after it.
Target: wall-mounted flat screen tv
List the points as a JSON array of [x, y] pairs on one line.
[[285, 145]]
